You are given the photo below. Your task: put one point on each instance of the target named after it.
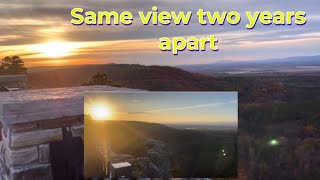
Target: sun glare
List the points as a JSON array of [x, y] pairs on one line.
[[100, 112], [56, 49]]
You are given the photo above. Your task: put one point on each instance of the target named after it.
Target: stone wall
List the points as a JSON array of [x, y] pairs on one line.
[[31, 120], [25, 147], [14, 81]]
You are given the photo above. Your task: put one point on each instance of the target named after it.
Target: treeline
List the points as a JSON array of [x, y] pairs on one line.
[[12, 66]]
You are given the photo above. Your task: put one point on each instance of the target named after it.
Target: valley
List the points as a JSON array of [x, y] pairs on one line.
[[272, 106], [156, 150]]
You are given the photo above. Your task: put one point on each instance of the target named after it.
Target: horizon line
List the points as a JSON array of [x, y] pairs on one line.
[[176, 65]]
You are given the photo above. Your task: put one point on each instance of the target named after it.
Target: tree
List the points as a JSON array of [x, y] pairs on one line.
[[101, 79], [13, 65]]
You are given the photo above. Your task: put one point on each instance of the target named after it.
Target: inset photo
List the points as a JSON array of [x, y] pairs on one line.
[[160, 134]]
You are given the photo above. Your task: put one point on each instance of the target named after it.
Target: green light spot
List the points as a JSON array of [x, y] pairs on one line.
[[273, 142]]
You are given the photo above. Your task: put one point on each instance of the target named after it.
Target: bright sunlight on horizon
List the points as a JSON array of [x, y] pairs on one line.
[[100, 112], [55, 49]]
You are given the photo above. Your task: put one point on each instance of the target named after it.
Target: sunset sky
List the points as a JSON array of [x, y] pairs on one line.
[[41, 33], [211, 108]]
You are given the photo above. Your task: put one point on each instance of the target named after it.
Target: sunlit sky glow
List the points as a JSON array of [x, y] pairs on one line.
[[189, 108], [41, 33]]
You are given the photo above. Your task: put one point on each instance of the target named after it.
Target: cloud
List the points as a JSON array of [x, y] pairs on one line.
[[25, 22], [136, 112], [187, 107], [179, 108]]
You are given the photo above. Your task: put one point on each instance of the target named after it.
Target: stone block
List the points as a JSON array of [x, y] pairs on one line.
[[35, 137], [44, 153], [4, 171], [40, 105], [22, 156], [77, 131], [61, 122], [42, 115], [31, 171], [24, 127]]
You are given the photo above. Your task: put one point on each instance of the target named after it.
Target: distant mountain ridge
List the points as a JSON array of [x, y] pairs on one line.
[[292, 60], [291, 64], [160, 78]]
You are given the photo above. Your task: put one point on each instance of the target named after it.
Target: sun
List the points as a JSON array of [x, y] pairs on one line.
[[56, 49], [100, 112]]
